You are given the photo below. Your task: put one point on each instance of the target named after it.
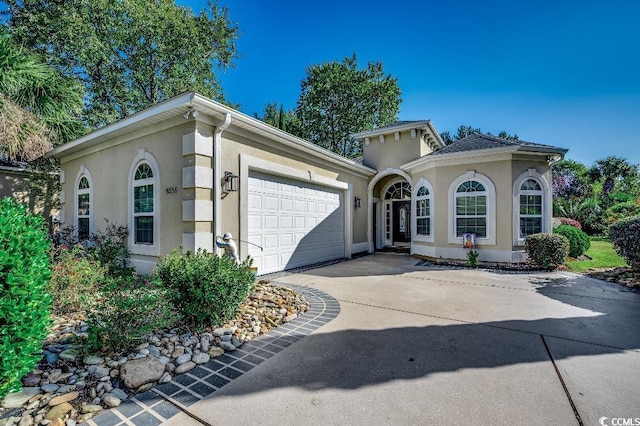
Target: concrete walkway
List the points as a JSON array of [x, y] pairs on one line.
[[420, 345]]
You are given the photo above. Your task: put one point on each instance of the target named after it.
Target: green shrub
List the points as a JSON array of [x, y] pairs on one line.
[[110, 248], [625, 237], [547, 251], [74, 280], [125, 310], [579, 241], [472, 259], [206, 289], [24, 304]]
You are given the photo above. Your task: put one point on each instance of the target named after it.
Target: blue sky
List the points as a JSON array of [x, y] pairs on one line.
[[565, 73]]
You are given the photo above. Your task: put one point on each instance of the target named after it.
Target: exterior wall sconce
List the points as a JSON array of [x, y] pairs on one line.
[[356, 202], [230, 182]]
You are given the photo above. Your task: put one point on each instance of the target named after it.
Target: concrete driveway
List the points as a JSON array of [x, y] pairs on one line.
[[420, 345]]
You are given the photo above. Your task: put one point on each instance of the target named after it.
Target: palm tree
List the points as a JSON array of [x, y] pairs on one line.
[[612, 169], [39, 109]]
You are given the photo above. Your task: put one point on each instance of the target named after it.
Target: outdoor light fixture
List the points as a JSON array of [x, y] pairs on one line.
[[194, 113], [230, 182], [356, 202]]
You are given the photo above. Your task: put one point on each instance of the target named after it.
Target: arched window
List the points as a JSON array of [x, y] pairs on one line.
[[398, 191], [471, 209], [423, 211], [531, 206], [143, 204], [472, 203], [83, 198], [530, 211]]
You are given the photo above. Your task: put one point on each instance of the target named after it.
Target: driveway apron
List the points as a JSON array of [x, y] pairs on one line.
[[420, 344]]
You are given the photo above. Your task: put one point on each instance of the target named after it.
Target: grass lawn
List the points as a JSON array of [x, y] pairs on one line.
[[602, 254]]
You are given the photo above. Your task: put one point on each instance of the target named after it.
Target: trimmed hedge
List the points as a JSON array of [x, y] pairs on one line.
[[579, 241], [625, 238], [205, 288], [24, 303], [547, 251]]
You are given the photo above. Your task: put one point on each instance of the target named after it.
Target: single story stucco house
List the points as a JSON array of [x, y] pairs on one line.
[[188, 169]]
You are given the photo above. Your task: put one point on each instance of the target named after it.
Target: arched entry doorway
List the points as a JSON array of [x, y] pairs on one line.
[[396, 213], [390, 209]]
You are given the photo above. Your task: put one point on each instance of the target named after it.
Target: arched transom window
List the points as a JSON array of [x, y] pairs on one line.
[[84, 208], [471, 209], [143, 204], [398, 191], [531, 208]]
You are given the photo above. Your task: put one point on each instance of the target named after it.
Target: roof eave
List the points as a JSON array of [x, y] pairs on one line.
[[386, 131], [193, 99]]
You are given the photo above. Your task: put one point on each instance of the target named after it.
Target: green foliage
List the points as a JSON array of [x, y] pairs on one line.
[[206, 289], [611, 171], [569, 221], [625, 237], [277, 116], [472, 258], [128, 54], [579, 241], [74, 280], [547, 251], [24, 303], [339, 99], [601, 256], [125, 310], [110, 248], [39, 108]]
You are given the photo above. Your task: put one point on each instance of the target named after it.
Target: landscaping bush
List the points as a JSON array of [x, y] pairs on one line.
[[74, 280], [579, 241], [205, 288], [125, 310], [547, 251], [111, 249], [569, 221], [625, 235], [24, 303]]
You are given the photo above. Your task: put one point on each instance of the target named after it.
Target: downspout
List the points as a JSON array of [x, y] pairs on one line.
[[217, 180]]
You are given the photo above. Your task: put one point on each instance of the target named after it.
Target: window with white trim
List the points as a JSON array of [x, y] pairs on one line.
[[423, 211], [530, 208], [398, 191], [471, 209], [143, 204], [83, 199]]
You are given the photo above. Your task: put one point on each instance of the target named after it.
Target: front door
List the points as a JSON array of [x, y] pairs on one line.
[[402, 221]]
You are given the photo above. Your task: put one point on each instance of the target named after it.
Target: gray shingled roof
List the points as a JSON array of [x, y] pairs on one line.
[[399, 124], [478, 141]]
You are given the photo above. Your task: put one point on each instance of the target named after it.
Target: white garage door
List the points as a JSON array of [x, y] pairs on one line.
[[296, 223]]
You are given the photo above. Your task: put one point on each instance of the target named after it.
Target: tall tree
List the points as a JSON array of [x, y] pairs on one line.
[[39, 108], [570, 179], [338, 99], [612, 170], [275, 115], [128, 54]]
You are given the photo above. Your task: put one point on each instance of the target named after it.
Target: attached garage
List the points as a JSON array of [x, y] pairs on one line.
[[296, 223]]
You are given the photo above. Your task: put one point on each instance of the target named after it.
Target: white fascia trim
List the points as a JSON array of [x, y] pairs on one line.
[[390, 130], [414, 165], [283, 137], [147, 113], [175, 106], [249, 163]]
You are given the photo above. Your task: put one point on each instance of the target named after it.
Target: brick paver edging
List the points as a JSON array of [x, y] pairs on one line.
[[164, 401]]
